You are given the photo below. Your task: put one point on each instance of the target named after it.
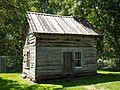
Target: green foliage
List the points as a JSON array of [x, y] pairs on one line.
[[102, 14], [112, 64], [12, 27]]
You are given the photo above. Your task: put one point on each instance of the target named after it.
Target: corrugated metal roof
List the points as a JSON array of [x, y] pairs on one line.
[[48, 23]]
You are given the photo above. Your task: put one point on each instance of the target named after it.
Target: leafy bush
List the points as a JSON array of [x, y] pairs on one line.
[[112, 64]]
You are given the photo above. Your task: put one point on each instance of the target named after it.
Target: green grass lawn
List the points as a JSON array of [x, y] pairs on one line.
[[105, 80]]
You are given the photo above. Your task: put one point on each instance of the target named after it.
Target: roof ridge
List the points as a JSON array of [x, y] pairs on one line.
[[49, 14]]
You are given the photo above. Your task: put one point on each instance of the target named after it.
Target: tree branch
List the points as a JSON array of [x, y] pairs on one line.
[[97, 14]]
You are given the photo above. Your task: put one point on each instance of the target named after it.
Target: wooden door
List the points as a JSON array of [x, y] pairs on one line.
[[67, 63]]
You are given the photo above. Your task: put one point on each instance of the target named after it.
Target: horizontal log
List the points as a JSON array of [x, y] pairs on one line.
[[45, 58], [29, 45], [49, 63], [64, 37], [66, 42], [48, 72], [49, 67], [62, 45]]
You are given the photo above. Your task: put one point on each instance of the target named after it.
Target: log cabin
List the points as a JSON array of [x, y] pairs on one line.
[[58, 46]]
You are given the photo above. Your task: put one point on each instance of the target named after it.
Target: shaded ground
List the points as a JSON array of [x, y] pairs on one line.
[[85, 80], [102, 81]]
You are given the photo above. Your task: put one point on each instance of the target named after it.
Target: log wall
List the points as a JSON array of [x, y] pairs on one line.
[[30, 46], [49, 56]]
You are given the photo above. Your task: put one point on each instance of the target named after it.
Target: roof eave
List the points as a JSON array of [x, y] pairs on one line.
[[96, 35]]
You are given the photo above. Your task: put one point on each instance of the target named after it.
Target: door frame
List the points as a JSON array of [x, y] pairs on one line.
[[62, 58]]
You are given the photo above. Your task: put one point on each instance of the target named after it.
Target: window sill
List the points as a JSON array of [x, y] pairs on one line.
[[78, 67], [27, 68]]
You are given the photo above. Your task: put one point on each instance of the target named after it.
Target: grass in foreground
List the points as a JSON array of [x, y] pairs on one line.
[[105, 80]]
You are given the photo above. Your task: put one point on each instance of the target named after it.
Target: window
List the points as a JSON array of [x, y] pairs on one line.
[[28, 59], [77, 59]]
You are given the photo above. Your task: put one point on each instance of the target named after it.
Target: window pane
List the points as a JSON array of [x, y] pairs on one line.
[[28, 59], [77, 63], [77, 55], [77, 59]]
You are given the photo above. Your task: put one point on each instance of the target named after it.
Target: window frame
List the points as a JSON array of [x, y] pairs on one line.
[[28, 60], [76, 59]]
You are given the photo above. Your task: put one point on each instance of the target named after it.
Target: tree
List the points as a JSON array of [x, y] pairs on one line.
[[12, 15], [102, 14]]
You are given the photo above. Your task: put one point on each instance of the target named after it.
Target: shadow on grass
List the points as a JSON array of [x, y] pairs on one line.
[[7, 84], [86, 80], [44, 87], [59, 83]]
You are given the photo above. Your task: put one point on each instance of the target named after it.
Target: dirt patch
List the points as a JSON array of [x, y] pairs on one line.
[[92, 87]]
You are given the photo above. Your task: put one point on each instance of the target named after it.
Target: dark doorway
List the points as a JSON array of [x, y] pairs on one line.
[[67, 63]]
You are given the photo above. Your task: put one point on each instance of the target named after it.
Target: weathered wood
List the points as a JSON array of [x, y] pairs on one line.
[[63, 45], [63, 41], [31, 48], [49, 63], [48, 72], [67, 63], [48, 67], [47, 58], [64, 38], [51, 44]]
